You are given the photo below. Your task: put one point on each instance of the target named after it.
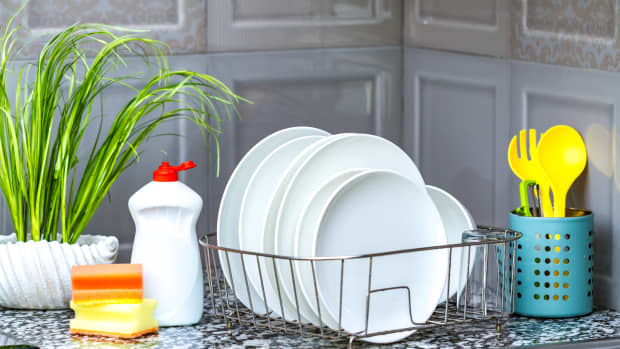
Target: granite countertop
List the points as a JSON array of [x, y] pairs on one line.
[[50, 329]]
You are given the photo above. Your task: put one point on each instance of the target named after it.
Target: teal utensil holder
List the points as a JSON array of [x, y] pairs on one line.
[[554, 264]]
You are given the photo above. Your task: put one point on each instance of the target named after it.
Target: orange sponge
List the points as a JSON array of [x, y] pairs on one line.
[[107, 282]]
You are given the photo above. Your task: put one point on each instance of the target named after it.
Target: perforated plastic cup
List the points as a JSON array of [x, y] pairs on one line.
[[554, 264]]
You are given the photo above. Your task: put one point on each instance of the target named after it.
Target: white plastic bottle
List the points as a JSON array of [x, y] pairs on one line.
[[165, 212]]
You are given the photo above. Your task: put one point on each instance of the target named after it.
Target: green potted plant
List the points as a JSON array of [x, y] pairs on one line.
[[49, 199]]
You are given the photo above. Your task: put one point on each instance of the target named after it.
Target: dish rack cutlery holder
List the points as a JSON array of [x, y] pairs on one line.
[[493, 299]]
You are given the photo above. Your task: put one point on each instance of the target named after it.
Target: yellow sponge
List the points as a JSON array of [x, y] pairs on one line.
[[114, 320]]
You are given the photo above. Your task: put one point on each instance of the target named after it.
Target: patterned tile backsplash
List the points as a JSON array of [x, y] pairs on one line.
[[594, 18], [578, 33]]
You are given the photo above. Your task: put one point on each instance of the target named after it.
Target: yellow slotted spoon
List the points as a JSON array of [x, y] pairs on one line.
[[562, 156], [529, 169]]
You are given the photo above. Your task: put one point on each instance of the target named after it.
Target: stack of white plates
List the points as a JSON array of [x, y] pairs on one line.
[[305, 193]]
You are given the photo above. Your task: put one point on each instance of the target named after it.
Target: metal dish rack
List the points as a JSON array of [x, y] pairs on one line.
[[451, 310]]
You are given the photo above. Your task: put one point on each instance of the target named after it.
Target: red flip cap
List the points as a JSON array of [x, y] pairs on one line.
[[167, 173]]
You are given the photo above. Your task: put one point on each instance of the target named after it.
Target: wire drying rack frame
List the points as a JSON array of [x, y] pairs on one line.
[[451, 310]]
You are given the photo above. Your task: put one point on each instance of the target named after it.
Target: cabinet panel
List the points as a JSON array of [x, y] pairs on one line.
[[243, 25], [454, 141], [337, 104], [456, 124], [544, 96], [475, 12], [179, 23], [480, 26], [338, 90]]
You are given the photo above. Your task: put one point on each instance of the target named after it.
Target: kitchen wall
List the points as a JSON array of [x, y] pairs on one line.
[[450, 81]]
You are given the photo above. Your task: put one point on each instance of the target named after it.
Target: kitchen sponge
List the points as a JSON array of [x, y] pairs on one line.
[[107, 300], [120, 283], [114, 320]]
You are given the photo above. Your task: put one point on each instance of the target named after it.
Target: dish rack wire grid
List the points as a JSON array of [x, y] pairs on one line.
[[225, 305]]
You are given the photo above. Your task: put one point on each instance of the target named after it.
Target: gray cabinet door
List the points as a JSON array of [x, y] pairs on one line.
[[474, 26], [241, 25], [179, 23], [339, 90], [456, 127]]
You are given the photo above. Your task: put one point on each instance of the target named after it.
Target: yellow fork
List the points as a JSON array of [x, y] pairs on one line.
[[528, 169]]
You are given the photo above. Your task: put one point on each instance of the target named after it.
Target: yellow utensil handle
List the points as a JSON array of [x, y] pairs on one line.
[[545, 200], [559, 204]]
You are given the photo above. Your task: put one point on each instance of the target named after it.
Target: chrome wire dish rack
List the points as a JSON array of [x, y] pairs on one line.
[[490, 298]]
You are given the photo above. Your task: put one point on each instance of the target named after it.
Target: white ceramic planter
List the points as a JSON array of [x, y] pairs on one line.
[[37, 274]]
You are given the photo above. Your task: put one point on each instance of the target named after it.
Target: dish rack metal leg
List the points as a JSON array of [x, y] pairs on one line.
[[491, 301]]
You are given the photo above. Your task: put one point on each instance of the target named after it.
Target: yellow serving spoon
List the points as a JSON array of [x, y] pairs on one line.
[[527, 169], [562, 157]]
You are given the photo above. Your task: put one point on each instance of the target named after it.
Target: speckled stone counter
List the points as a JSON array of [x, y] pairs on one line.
[[50, 329]]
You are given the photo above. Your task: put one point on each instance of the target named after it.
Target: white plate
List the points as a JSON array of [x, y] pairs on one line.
[[306, 227], [456, 219], [262, 185], [375, 212], [271, 281], [230, 206], [336, 154]]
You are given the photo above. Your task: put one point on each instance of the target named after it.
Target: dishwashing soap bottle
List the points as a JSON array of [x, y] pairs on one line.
[[165, 212]]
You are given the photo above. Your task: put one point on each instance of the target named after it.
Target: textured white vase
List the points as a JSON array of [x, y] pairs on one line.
[[37, 274]]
